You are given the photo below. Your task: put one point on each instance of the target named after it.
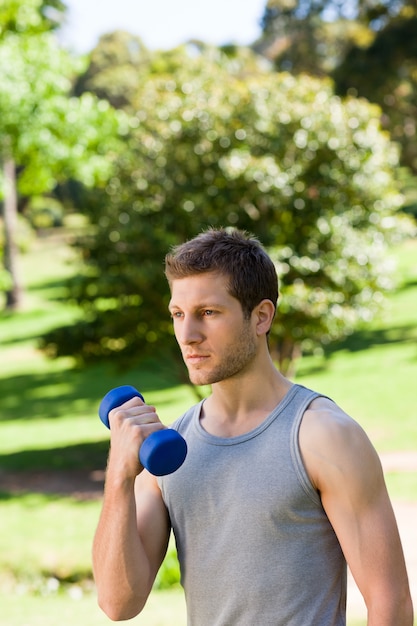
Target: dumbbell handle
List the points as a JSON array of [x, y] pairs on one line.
[[164, 451]]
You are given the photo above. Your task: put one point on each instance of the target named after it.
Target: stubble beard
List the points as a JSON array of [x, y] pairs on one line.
[[242, 353]]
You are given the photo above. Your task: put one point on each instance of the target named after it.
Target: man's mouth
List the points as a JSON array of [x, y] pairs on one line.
[[195, 359]]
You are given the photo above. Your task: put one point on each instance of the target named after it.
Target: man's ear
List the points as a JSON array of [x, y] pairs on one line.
[[264, 314]]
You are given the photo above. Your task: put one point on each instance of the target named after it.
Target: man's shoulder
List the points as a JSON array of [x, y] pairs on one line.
[[325, 423], [331, 441]]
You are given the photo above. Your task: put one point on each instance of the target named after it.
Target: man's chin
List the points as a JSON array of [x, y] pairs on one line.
[[199, 378]]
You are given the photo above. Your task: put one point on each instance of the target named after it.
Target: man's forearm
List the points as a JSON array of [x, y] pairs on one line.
[[120, 564]]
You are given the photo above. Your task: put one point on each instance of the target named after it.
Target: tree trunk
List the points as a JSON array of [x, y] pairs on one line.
[[14, 293]]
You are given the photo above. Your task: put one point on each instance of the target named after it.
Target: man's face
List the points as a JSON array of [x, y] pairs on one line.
[[216, 342]]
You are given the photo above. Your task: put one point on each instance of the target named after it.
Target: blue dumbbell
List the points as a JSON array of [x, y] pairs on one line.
[[164, 451]]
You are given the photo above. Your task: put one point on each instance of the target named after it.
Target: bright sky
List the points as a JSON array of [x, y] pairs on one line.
[[163, 24]]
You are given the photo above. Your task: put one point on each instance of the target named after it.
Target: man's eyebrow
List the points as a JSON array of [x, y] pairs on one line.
[[203, 305]]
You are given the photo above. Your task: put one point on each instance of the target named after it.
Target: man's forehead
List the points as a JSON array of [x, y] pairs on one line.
[[200, 288]]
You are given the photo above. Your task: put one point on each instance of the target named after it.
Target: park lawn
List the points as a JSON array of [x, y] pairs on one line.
[[75, 606]]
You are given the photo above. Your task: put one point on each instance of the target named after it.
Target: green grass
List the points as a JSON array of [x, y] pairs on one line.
[[75, 606], [57, 535], [48, 421]]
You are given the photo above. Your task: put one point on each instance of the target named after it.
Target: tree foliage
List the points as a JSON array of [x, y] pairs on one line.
[[30, 16], [220, 140], [118, 65], [45, 135], [368, 47], [47, 132], [385, 72]]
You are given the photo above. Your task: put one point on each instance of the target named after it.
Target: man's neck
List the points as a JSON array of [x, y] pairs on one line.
[[238, 405]]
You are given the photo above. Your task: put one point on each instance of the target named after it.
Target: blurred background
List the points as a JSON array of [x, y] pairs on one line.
[[126, 129]]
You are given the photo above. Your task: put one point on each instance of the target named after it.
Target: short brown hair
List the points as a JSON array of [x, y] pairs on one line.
[[233, 253]]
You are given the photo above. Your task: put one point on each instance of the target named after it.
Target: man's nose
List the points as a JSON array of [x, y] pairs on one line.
[[189, 331]]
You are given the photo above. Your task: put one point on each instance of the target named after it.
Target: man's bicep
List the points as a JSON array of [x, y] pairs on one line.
[[368, 534]]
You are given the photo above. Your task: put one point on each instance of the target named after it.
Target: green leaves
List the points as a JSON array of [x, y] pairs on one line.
[[46, 135], [49, 134], [221, 141], [30, 16]]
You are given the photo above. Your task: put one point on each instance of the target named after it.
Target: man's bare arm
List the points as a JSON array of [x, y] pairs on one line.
[[346, 470], [133, 530]]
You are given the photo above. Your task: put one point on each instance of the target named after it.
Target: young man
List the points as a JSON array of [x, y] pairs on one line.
[[279, 488]]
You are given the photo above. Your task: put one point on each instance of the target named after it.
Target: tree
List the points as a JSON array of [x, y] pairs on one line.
[[220, 140], [385, 72], [315, 35], [45, 135], [308, 36], [117, 66], [30, 16], [367, 47]]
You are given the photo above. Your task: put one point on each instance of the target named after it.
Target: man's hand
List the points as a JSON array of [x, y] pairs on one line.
[[130, 424]]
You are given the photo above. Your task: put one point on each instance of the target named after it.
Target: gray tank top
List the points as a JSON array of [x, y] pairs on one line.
[[254, 543]]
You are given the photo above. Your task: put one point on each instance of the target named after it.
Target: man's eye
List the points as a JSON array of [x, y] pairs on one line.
[[176, 314], [208, 312]]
